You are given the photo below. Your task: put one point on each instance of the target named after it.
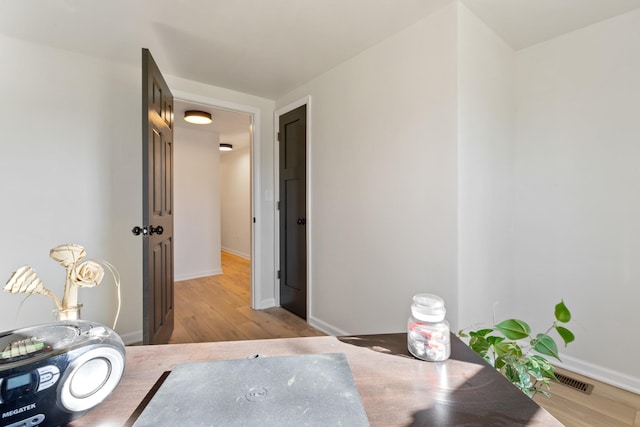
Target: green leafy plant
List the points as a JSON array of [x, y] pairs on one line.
[[511, 348]]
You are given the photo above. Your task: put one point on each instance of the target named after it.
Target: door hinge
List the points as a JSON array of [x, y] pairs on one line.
[[278, 205], [278, 137], [278, 274], [254, 219]]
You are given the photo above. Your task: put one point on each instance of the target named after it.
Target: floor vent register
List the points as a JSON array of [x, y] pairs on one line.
[[574, 383]]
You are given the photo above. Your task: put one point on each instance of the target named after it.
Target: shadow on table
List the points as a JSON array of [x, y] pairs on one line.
[[484, 398], [434, 417], [396, 344], [393, 344]]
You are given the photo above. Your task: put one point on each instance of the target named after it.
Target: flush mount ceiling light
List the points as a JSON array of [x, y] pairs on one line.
[[197, 117], [226, 147]]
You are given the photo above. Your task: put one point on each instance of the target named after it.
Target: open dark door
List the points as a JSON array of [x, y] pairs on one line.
[[157, 230], [292, 135]]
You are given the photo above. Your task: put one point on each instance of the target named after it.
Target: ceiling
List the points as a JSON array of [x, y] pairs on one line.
[[232, 127], [523, 23], [268, 47]]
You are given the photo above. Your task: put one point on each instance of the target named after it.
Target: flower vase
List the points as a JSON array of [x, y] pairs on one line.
[[69, 313]]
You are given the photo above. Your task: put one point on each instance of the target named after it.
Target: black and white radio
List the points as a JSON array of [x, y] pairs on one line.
[[52, 374]]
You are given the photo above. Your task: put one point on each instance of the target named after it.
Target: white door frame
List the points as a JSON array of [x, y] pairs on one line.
[[256, 229], [276, 185]]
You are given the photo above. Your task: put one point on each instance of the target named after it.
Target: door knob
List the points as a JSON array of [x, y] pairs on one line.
[[140, 230], [147, 231], [158, 230], [302, 221]]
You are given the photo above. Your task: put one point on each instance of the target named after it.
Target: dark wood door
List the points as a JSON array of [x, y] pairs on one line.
[[157, 176], [293, 214]]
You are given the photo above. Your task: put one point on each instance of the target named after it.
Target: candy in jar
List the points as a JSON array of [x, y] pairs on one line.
[[428, 335]]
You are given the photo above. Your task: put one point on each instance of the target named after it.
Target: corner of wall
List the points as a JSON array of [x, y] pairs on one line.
[[325, 327]]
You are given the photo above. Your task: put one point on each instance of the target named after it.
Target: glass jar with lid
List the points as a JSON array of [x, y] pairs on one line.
[[428, 335]]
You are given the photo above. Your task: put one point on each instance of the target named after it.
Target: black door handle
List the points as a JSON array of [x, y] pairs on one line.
[[158, 230], [302, 221], [147, 231], [140, 230]]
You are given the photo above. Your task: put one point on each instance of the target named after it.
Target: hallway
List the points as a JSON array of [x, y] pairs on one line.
[[218, 308]]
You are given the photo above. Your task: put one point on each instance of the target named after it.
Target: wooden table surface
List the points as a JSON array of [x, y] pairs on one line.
[[395, 388]]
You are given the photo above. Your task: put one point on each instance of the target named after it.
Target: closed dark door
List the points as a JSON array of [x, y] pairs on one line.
[[157, 176], [293, 212]]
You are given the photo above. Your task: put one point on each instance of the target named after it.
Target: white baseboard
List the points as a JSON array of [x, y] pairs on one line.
[[240, 254], [189, 276], [605, 375], [266, 303], [325, 327], [132, 337]]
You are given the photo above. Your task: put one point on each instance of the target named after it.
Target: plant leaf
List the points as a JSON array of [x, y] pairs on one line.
[[479, 344], [525, 377], [562, 312], [514, 329], [539, 368], [512, 374], [566, 335], [480, 332], [546, 345], [494, 340], [508, 350], [499, 364]]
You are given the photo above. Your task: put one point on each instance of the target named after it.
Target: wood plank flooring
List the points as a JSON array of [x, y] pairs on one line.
[[606, 406], [218, 308]]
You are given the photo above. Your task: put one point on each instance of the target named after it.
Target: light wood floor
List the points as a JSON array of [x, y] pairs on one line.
[[218, 308], [606, 406]]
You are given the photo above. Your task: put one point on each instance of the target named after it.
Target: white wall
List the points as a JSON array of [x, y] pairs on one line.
[[196, 203], [71, 169], [486, 98], [70, 172], [577, 204], [546, 191], [383, 180], [235, 201]]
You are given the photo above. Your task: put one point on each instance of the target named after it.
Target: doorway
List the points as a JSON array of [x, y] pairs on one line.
[[199, 219]]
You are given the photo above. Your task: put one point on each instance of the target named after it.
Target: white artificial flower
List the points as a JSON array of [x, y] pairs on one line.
[[88, 274], [67, 255]]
